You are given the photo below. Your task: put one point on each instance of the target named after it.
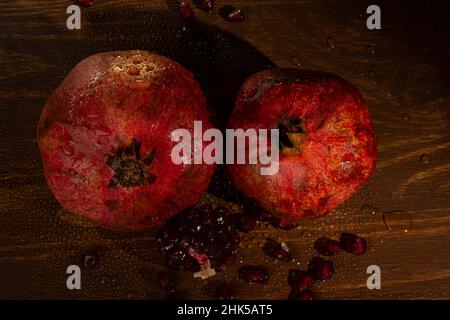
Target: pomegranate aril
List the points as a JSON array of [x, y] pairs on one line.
[[299, 280], [84, 3], [166, 281], [353, 244], [277, 250], [283, 224], [307, 295], [253, 274], [223, 292], [89, 259], [245, 223], [231, 14], [206, 5], [321, 269], [186, 11], [327, 247]]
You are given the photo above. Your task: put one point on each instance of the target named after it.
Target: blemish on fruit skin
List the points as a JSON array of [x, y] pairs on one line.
[[133, 71]]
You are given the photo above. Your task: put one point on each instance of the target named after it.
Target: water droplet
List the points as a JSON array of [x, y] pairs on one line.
[[370, 50], [331, 43], [425, 158], [296, 61], [368, 209], [404, 116], [398, 220]]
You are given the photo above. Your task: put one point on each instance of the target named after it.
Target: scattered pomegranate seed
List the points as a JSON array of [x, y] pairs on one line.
[[89, 259], [245, 223], [223, 292], [186, 11], [353, 244], [300, 280], [321, 269], [264, 216], [166, 282], [302, 295], [231, 14], [84, 3], [277, 250], [206, 5], [253, 274], [327, 247], [283, 224]]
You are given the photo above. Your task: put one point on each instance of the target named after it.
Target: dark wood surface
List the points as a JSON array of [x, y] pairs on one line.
[[405, 80]]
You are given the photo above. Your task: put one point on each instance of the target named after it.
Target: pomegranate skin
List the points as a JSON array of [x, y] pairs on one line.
[[331, 150], [105, 139]]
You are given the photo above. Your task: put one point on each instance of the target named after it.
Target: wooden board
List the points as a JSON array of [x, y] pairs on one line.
[[404, 76]]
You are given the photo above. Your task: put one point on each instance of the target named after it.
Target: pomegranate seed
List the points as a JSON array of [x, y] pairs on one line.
[[186, 11], [327, 247], [206, 5], [302, 295], [84, 3], [166, 281], [245, 223], [223, 292], [300, 280], [252, 274], [277, 250], [283, 224], [231, 14], [321, 269], [89, 259], [264, 216], [353, 244]]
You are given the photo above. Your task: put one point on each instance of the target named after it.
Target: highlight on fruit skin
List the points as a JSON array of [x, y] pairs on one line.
[[105, 139], [327, 141]]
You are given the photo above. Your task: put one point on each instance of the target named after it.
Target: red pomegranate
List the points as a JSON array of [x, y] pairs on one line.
[[327, 142], [105, 139]]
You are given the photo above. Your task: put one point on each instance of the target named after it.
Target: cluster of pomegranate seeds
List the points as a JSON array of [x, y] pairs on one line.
[[353, 244], [223, 291], [321, 269], [231, 14], [277, 250], [166, 282], [253, 274], [327, 247], [186, 11], [198, 238], [84, 3], [206, 5]]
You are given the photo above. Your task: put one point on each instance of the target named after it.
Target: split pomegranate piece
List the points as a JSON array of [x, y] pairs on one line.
[[199, 239]]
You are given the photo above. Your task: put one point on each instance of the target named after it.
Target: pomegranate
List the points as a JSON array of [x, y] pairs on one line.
[[327, 142], [105, 139]]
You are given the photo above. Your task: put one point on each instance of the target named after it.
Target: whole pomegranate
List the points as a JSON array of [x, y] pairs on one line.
[[105, 139], [327, 144]]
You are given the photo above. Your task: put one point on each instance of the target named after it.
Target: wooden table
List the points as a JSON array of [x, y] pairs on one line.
[[402, 70]]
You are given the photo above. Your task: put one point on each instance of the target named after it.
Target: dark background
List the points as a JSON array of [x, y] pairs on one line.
[[402, 70]]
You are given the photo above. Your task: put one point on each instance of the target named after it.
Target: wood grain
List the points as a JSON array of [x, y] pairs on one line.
[[406, 83]]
